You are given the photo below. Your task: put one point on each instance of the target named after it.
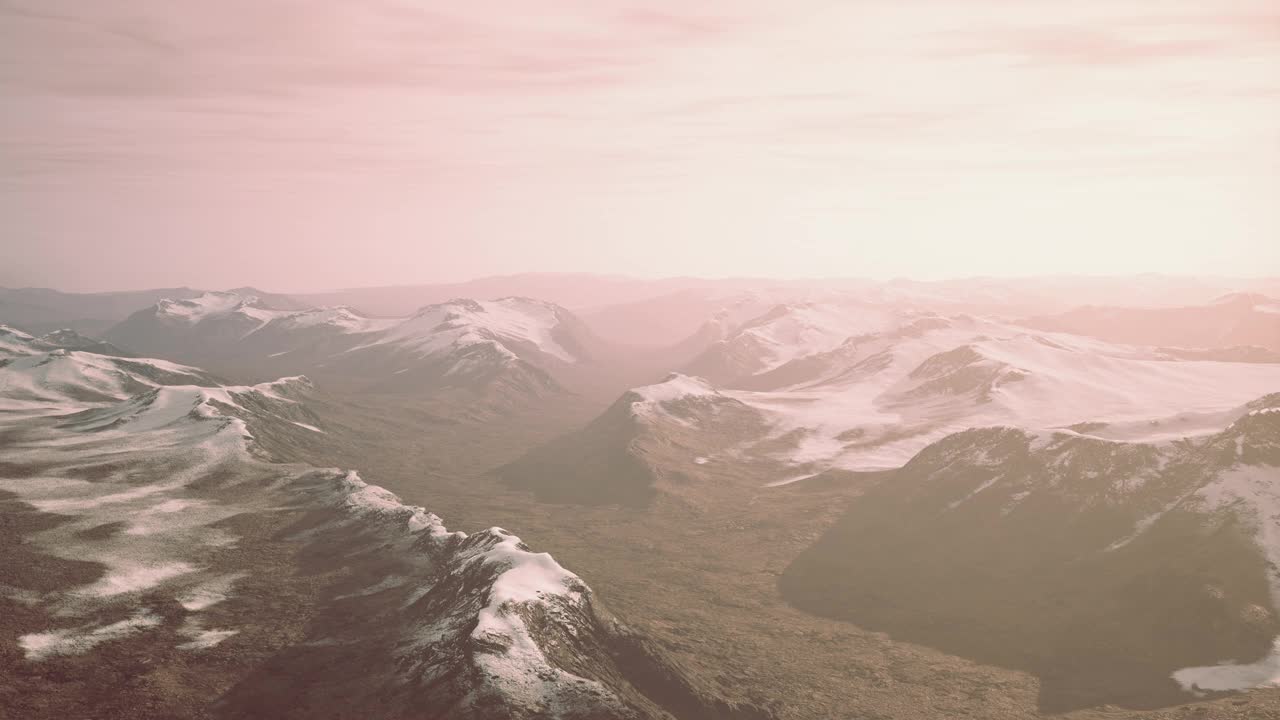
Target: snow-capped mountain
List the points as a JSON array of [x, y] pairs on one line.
[[520, 343], [14, 342], [37, 380], [876, 400], [509, 324], [782, 334], [228, 327], [40, 310], [870, 402], [652, 440], [1237, 320], [1130, 573], [516, 343], [160, 536]]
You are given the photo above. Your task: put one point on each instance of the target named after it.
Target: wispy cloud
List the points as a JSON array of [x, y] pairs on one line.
[[583, 119]]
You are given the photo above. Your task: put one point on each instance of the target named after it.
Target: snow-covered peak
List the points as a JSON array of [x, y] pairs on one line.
[[341, 318], [244, 316], [15, 332], [198, 308], [673, 398], [525, 583], [785, 333], [676, 386], [64, 337], [157, 409], [61, 381], [462, 323], [14, 342], [798, 329], [876, 402]]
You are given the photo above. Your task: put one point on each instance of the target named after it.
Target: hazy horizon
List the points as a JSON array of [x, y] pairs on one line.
[[386, 143], [816, 280]]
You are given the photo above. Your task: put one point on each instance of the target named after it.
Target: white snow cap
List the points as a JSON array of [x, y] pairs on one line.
[[195, 309], [676, 386], [464, 323]]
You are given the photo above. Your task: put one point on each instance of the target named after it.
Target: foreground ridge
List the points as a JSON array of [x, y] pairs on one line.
[[160, 535]]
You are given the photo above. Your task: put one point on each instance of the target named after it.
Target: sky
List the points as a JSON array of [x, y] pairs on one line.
[[309, 144]]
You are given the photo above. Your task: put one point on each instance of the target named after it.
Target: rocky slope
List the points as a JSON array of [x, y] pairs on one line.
[[157, 561], [506, 347], [521, 343], [651, 441], [224, 327], [1132, 573], [41, 310], [37, 378], [14, 342], [779, 335]]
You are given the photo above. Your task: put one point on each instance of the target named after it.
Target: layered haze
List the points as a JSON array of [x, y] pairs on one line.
[[302, 146]]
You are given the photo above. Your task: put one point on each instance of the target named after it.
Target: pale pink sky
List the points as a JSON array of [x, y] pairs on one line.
[[299, 144]]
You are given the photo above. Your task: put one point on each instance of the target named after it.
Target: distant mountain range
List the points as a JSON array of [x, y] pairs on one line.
[[1085, 493], [513, 346], [1240, 320], [660, 312], [819, 400]]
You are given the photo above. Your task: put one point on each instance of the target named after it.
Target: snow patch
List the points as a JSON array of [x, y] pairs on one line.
[[1230, 676], [133, 578], [206, 639], [653, 399], [41, 646], [1256, 490], [868, 412], [208, 594], [447, 327], [364, 498]]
